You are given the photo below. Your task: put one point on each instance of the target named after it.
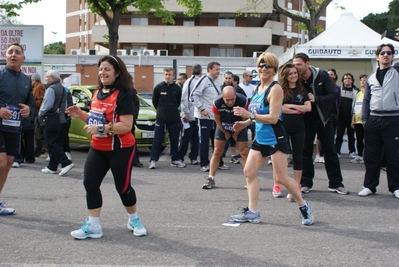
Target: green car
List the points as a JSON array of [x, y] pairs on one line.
[[144, 128]]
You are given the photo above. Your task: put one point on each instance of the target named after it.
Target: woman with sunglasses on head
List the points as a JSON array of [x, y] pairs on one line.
[[296, 103], [265, 111], [109, 121]]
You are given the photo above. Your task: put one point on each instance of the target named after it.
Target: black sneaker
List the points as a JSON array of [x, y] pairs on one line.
[[234, 160]]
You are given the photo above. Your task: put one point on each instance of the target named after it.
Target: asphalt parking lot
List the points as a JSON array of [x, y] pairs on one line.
[[184, 222]]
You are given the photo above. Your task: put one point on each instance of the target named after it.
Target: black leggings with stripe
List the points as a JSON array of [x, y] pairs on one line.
[[97, 164]]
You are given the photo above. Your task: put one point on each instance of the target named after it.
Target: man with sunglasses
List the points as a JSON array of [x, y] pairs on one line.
[[380, 119], [322, 94], [246, 84]]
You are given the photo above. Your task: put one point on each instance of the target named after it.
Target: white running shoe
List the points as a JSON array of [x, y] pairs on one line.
[[318, 159], [153, 164], [66, 169], [365, 192]]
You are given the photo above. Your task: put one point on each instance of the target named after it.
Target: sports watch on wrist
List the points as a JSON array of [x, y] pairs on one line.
[[252, 117], [100, 128]]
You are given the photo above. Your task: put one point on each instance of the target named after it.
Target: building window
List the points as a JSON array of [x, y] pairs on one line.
[[188, 51], [188, 22], [226, 22], [225, 52], [140, 21]]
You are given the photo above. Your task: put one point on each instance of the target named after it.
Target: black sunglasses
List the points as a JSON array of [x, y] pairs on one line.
[[389, 53], [264, 65]]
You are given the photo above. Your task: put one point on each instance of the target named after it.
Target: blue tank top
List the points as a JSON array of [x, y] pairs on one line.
[[265, 134]]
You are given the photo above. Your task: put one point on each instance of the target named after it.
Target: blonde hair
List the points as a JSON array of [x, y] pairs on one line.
[[268, 58]]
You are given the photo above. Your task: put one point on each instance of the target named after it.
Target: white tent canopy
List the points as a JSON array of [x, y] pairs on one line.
[[346, 38]]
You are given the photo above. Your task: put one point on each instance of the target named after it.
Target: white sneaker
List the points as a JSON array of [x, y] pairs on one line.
[[396, 193], [88, 231], [66, 169], [178, 163], [136, 226], [269, 161], [153, 164], [204, 168], [357, 159], [352, 155], [48, 158], [365, 192], [47, 170], [68, 155], [16, 165], [318, 159]]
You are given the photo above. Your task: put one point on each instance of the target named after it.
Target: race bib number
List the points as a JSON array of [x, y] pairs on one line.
[[15, 119], [228, 126], [96, 118], [254, 107], [358, 107]]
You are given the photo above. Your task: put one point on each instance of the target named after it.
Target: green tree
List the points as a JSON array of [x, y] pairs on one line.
[[377, 22], [55, 48], [6, 19], [11, 9], [111, 10], [393, 15], [384, 21], [315, 8]]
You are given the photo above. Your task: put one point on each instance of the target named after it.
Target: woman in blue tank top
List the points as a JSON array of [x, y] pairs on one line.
[[265, 111]]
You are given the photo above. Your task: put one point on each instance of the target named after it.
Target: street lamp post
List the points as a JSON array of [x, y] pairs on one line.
[[54, 35], [54, 42]]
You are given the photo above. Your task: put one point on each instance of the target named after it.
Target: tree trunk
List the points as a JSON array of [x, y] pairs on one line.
[[113, 29]]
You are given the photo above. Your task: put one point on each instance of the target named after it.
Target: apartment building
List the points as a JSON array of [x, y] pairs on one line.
[[217, 32]]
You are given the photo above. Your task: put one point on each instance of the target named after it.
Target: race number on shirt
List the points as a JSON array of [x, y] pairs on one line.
[[15, 119], [96, 118]]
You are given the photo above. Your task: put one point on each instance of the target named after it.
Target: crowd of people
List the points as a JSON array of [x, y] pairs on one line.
[[284, 116]]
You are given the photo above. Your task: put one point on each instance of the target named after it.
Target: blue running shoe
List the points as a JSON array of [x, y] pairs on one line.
[[88, 231], [4, 210], [136, 226], [247, 216], [306, 214]]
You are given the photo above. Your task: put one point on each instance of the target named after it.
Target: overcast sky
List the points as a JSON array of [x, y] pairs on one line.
[[53, 16]]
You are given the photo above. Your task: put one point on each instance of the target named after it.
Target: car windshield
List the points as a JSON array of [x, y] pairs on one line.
[[143, 103]]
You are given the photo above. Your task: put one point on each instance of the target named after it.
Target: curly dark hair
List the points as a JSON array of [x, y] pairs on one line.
[[283, 81]]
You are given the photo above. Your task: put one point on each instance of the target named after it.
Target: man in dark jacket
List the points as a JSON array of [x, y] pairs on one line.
[[55, 101], [322, 95], [15, 95], [166, 99], [38, 93], [26, 148]]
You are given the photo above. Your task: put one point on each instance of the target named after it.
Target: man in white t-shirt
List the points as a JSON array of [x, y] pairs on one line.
[[246, 83], [248, 88]]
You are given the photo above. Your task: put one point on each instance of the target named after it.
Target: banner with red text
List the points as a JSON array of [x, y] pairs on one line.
[[31, 39]]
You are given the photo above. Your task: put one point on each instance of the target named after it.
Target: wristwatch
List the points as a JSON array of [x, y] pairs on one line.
[[252, 117], [100, 128]]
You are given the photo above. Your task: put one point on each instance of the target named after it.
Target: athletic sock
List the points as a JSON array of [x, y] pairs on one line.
[[94, 221], [132, 216]]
